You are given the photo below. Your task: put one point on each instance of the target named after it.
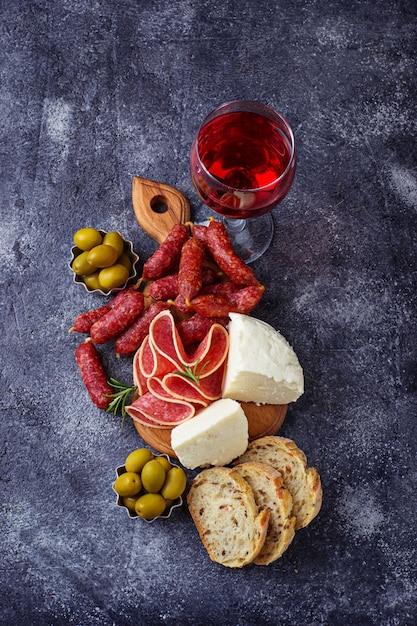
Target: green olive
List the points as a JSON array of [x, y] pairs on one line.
[[153, 476], [174, 484], [125, 260], [150, 505], [128, 484], [113, 276], [115, 240], [81, 265], [102, 256], [92, 281], [130, 502], [137, 459], [164, 462], [87, 238]]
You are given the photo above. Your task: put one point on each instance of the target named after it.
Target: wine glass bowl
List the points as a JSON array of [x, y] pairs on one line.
[[242, 165]]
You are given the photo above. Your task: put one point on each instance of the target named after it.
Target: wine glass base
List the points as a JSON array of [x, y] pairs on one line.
[[250, 237]]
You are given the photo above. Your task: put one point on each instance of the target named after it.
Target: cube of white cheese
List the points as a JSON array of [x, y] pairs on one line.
[[262, 367], [215, 436]]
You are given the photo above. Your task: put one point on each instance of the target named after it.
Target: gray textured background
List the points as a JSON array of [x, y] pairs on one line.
[[94, 92]]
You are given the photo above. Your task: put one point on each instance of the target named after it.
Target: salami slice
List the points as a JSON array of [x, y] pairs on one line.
[[212, 350], [164, 336], [159, 411], [178, 387], [203, 391], [140, 417], [153, 362], [138, 378]]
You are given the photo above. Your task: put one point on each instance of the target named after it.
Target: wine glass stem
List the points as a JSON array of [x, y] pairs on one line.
[[234, 225]]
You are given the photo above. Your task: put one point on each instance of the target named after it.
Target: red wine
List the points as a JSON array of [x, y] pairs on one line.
[[248, 164]]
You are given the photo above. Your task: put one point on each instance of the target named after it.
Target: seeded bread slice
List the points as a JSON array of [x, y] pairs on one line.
[[229, 522], [302, 482], [270, 492]]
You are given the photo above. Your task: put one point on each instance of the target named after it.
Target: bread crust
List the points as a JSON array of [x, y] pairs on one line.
[[231, 526], [269, 490], [302, 482]]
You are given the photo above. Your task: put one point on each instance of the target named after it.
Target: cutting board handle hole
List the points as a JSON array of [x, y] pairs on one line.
[[159, 204]]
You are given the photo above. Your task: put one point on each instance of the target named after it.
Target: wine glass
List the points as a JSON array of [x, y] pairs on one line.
[[242, 165]]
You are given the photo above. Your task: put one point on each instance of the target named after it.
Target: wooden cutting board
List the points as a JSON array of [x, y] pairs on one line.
[[157, 208]]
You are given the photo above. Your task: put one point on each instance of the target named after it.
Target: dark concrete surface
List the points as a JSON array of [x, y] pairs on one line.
[[95, 92]]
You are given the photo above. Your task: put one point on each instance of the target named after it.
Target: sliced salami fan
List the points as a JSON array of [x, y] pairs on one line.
[[163, 334], [165, 338], [171, 384]]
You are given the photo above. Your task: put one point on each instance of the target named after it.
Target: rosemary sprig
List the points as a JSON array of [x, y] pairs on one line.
[[120, 399], [193, 373]]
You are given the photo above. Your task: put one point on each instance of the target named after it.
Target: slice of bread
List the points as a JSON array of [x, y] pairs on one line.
[[229, 522], [302, 482], [270, 492]]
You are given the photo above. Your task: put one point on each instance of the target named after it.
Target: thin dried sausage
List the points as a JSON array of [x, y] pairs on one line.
[[199, 232], [224, 288], [165, 288], [166, 257], [210, 275], [182, 305], [131, 339], [245, 300], [211, 305], [220, 246], [190, 274], [84, 321], [220, 305], [120, 317], [196, 327], [93, 374]]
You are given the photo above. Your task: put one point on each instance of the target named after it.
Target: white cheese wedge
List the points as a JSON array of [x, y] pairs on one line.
[[215, 436], [262, 367]]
